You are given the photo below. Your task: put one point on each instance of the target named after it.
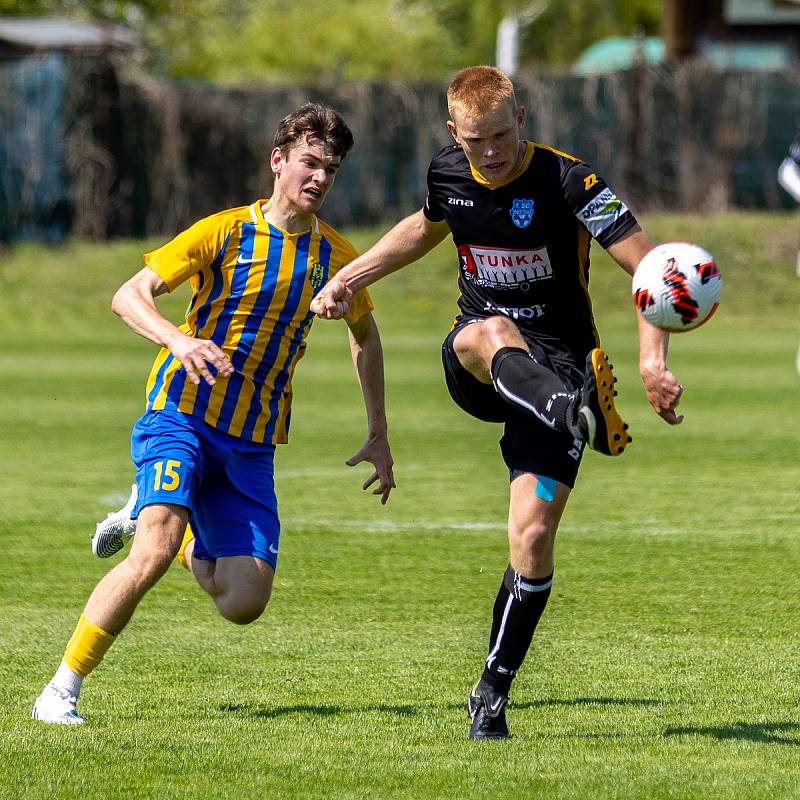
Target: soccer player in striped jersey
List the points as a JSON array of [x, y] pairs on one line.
[[523, 350], [219, 395]]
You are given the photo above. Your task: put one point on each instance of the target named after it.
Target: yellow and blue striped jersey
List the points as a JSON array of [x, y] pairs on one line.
[[252, 285]]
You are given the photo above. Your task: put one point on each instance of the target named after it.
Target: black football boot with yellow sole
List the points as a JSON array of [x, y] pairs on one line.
[[598, 422]]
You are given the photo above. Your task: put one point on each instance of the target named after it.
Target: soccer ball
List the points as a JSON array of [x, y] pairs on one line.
[[677, 286]]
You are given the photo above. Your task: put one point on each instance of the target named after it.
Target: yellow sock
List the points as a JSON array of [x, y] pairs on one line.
[[188, 535], [86, 647]]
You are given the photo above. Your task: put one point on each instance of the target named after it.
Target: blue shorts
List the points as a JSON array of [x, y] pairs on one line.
[[227, 483]]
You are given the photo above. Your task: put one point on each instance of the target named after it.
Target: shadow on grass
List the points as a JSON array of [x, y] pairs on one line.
[[762, 732], [270, 712], [330, 710], [573, 702], [591, 701]]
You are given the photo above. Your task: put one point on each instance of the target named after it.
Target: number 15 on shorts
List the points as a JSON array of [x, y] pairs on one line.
[[166, 478]]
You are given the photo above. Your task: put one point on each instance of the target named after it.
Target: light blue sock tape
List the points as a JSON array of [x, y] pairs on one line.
[[545, 488]]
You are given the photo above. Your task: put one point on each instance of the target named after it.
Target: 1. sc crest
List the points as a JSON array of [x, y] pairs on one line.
[[521, 212]]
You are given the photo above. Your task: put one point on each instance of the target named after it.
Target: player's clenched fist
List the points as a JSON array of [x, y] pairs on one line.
[[333, 300]]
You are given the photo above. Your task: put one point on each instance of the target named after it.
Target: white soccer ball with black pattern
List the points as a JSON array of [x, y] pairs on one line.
[[677, 286]]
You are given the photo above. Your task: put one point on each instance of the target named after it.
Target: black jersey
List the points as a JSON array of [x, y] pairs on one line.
[[523, 243]]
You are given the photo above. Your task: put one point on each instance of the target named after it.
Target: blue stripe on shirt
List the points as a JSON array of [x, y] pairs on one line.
[[286, 316]]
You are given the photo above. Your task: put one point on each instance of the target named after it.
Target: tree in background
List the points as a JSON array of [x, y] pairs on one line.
[[309, 41], [567, 27], [236, 41]]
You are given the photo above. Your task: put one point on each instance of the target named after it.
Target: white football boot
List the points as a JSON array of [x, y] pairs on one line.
[[115, 530], [56, 707]]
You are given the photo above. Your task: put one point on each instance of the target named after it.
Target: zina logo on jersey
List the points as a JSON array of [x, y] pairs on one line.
[[460, 201], [522, 212], [504, 269]]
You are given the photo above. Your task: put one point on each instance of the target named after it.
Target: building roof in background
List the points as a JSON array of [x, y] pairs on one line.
[[57, 33], [620, 52], [762, 12]]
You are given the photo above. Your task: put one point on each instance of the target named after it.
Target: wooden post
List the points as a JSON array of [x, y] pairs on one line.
[[683, 21], [679, 38]]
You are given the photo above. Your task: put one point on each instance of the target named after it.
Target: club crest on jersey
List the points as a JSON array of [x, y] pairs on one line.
[[316, 276], [522, 212]]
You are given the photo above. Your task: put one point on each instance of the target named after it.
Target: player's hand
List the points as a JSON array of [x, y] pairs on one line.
[[199, 357], [376, 450], [333, 300], [663, 391]]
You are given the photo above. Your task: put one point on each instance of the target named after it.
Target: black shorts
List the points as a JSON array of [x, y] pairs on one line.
[[527, 445]]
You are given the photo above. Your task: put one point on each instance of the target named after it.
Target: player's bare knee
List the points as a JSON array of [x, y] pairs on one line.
[[476, 344], [501, 332], [535, 538], [242, 614], [242, 610]]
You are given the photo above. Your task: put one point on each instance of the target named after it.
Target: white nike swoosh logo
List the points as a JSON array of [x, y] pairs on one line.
[[494, 708], [241, 260], [273, 549]]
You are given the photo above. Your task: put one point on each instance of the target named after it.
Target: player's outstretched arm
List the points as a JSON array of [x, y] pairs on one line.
[[408, 241], [134, 303], [365, 346], [661, 386]]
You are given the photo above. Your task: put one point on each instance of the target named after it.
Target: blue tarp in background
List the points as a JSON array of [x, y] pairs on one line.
[[34, 183]]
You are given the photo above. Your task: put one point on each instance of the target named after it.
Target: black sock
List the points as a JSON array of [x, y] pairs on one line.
[[518, 607], [532, 388]]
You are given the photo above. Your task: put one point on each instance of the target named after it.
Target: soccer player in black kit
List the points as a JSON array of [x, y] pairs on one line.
[[523, 350]]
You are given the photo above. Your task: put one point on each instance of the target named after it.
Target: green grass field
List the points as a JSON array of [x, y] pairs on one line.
[[666, 665]]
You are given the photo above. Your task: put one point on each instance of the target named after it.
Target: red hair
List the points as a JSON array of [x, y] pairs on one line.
[[475, 89]]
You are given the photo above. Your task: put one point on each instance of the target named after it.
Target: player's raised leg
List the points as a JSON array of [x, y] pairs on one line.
[[240, 586], [494, 351], [109, 608], [231, 547], [112, 533], [536, 506]]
